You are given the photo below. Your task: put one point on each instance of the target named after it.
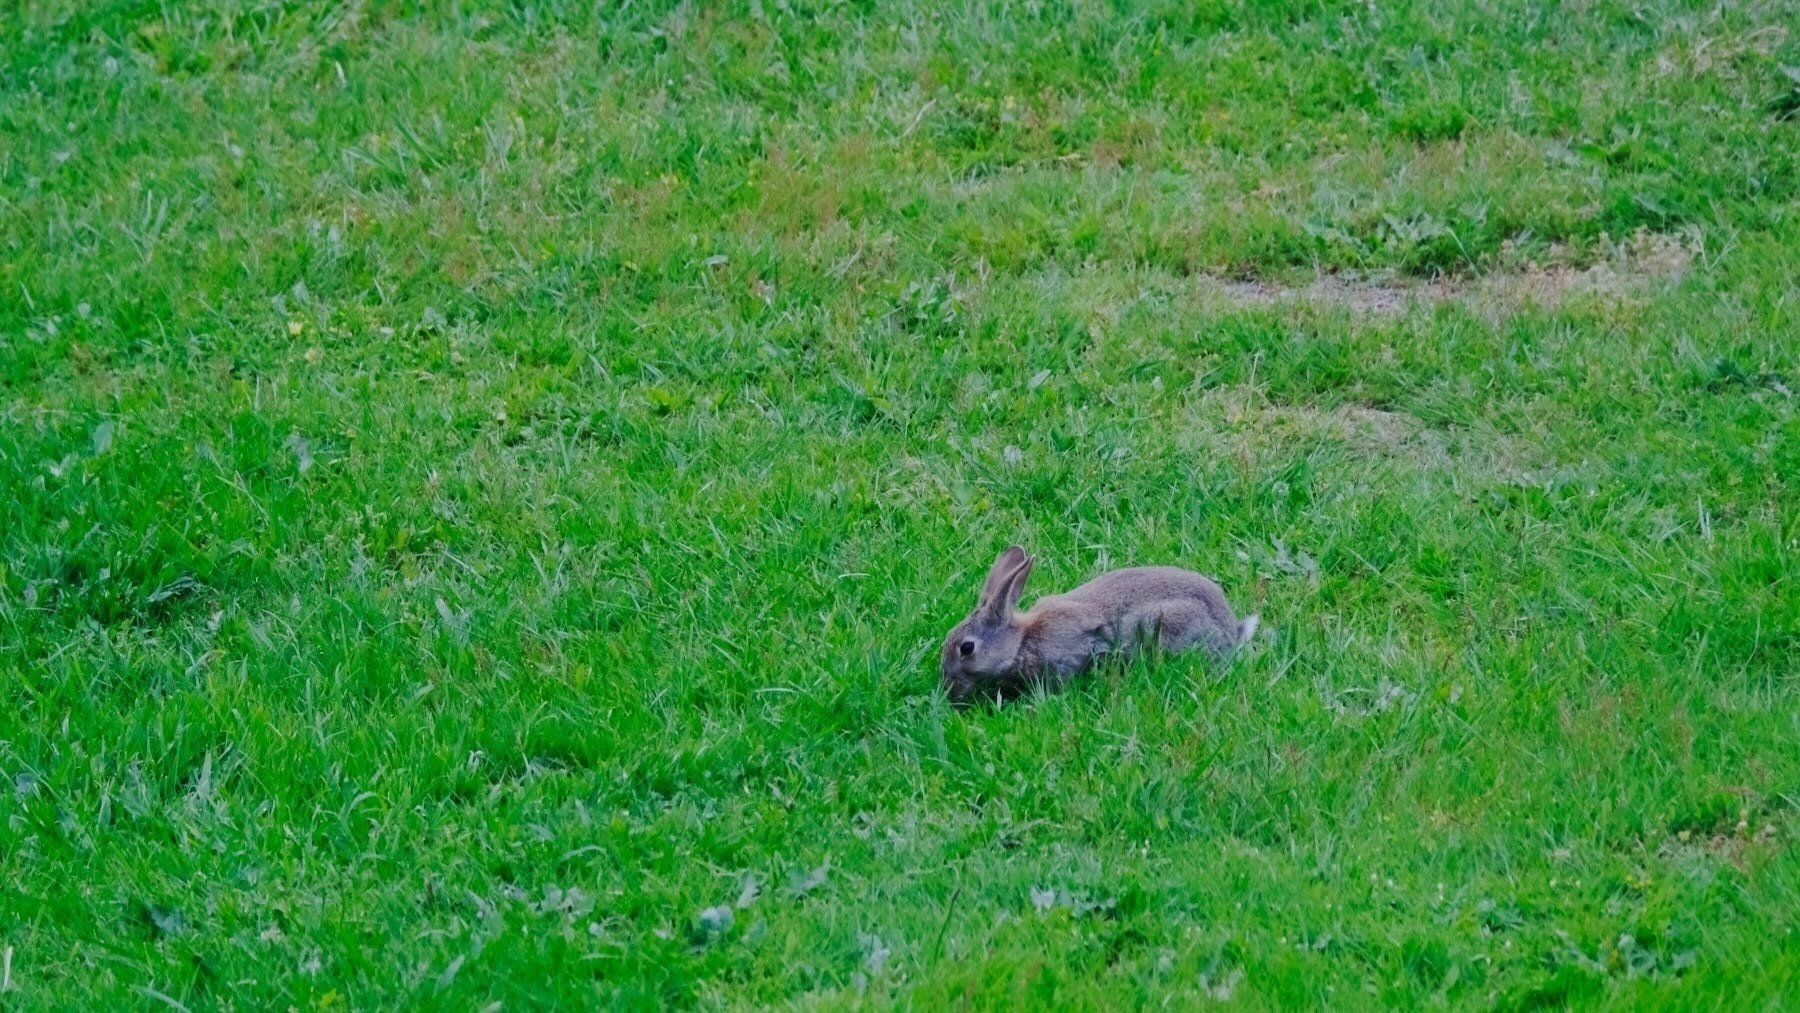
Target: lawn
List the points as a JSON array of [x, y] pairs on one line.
[[485, 485]]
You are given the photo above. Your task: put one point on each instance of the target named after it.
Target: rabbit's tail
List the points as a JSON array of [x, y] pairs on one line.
[[1247, 628]]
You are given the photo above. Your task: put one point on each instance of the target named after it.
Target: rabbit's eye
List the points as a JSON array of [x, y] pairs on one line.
[[966, 648]]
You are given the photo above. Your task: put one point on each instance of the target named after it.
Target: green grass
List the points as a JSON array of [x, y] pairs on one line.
[[485, 484]]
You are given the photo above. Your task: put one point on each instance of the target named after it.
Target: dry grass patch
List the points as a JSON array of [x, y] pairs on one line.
[[1629, 271], [1253, 426], [1737, 848]]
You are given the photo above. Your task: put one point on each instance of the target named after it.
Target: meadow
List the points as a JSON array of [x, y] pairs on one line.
[[484, 485]]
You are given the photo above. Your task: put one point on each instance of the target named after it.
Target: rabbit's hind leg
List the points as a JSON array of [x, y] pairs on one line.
[[1181, 625]]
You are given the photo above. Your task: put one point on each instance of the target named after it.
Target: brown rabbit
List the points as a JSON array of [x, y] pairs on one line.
[[999, 651]]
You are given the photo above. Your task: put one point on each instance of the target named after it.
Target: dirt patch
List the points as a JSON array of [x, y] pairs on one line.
[[1378, 430], [1476, 450], [1373, 431], [1370, 434], [1734, 848], [1369, 431], [1629, 269]]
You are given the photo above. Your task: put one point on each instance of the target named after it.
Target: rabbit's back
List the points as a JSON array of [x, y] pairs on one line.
[[1183, 608], [1146, 583]]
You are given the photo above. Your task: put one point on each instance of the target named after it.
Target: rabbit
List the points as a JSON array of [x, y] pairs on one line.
[[999, 652]]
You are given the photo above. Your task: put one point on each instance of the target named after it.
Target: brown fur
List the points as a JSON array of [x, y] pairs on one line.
[[1059, 637]]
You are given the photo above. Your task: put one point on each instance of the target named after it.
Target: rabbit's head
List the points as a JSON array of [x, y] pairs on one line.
[[981, 655]]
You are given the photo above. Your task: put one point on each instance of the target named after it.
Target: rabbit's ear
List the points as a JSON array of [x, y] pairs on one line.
[[1001, 572], [1012, 588]]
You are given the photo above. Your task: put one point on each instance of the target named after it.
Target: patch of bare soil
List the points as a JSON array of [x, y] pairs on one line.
[[1733, 848], [1377, 431], [1368, 430], [1372, 434], [1377, 427], [1639, 264]]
